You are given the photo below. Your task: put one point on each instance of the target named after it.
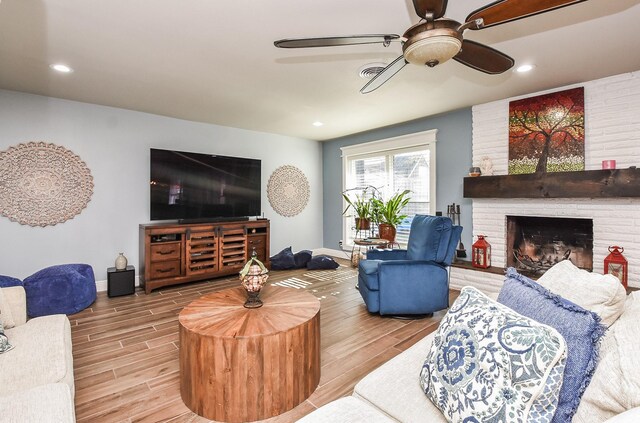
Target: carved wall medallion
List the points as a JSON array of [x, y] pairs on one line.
[[43, 184], [288, 191]]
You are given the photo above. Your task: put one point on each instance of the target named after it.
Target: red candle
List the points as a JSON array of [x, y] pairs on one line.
[[608, 164]]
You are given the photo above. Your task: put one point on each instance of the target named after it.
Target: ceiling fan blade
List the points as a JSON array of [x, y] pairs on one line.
[[384, 39], [436, 7], [483, 58], [386, 74], [503, 11]]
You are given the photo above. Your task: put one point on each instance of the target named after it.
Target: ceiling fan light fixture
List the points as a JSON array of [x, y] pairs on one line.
[[433, 50], [432, 43]]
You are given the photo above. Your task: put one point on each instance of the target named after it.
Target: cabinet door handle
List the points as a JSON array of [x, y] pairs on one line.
[[164, 253]]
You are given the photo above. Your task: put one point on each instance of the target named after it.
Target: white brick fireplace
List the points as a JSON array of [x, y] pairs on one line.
[[612, 131]]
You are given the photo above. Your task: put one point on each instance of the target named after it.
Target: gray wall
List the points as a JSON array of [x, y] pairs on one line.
[[114, 143], [453, 159]]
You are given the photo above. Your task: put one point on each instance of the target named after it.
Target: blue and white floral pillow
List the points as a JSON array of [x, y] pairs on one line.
[[4, 341], [487, 364]]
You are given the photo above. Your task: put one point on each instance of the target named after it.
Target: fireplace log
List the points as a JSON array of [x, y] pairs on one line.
[[581, 184]]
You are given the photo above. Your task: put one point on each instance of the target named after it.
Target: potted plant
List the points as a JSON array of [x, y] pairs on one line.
[[362, 207], [388, 214]]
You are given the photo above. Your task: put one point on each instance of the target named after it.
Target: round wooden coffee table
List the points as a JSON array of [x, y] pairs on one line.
[[239, 364]]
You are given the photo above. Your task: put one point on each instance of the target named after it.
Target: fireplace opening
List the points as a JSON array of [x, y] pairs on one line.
[[534, 244]]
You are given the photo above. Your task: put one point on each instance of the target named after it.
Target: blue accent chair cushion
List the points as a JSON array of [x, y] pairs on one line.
[[61, 289], [580, 328], [7, 281], [430, 238], [322, 262], [284, 260], [301, 258], [415, 280]]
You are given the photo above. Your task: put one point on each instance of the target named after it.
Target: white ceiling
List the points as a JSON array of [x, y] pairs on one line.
[[214, 61]]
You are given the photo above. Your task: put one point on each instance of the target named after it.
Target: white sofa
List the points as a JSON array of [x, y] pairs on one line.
[[392, 393], [36, 376]]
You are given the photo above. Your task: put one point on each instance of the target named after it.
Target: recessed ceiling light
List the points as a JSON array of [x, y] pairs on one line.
[[317, 123], [524, 68], [61, 68]]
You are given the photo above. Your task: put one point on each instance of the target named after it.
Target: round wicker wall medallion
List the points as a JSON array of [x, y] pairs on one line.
[[43, 184], [288, 191]]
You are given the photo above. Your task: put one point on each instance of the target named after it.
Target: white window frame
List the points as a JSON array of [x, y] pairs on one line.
[[420, 140]]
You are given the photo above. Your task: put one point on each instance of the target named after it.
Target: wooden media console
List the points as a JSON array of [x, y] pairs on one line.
[[175, 253]]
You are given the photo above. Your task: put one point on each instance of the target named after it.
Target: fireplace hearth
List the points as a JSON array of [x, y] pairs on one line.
[[534, 244]]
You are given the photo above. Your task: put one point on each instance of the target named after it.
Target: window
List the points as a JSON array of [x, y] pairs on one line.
[[391, 166]]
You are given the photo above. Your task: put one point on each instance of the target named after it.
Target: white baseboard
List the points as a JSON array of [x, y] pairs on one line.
[[102, 285]]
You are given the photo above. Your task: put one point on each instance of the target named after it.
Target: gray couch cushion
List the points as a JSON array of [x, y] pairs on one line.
[[346, 410], [50, 403], [394, 387], [42, 355]]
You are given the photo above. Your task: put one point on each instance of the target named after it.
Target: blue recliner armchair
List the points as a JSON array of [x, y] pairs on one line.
[[415, 280]]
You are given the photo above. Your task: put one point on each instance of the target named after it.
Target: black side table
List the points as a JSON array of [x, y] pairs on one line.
[[121, 282]]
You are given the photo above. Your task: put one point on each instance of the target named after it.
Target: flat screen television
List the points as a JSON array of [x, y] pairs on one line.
[[201, 187]]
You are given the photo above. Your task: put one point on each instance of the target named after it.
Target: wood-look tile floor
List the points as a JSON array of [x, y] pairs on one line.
[[126, 349]]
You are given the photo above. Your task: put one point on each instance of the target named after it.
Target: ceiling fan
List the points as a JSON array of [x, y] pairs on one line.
[[436, 39]]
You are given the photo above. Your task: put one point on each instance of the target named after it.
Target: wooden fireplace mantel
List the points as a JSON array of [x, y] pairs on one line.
[[581, 184]]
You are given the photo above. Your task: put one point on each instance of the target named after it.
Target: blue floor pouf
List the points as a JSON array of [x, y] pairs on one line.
[[61, 289]]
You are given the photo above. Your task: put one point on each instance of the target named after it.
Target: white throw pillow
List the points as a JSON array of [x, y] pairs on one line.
[[615, 386], [5, 312], [602, 294]]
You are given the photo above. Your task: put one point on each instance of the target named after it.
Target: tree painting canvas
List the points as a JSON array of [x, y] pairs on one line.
[[546, 133]]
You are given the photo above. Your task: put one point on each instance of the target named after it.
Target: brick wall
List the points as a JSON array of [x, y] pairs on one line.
[[612, 131]]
